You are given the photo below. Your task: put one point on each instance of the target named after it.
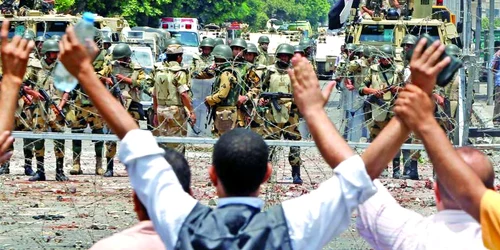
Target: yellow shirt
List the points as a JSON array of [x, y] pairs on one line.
[[490, 219]]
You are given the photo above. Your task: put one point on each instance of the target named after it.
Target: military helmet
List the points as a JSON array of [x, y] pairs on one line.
[[219, 41], [28, 36], [285, 48], [387, 51], [172, 41], [351, 47], [121, 50], [50, 46], [452, 50], [305, 43], [106, 39], [223, 51], [252, 48], [368, 51], [97, 34], [56, 37], [173, 49], [298, 49], [264, 39], [409, 39], [40, 39], [392, 14], [238, 42], [208, 42]]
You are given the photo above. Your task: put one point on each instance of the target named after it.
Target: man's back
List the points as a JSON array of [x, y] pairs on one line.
[[384, 224], [140, 236]]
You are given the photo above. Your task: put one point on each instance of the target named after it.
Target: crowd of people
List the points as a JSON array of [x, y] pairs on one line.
[[469, 210]]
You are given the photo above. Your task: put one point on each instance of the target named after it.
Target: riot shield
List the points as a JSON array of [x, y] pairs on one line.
[[201, 89]]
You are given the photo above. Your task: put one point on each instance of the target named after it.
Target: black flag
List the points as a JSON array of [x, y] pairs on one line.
[[334, 19]]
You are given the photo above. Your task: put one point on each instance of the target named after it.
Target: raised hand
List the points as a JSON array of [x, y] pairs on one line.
[[15, 55]]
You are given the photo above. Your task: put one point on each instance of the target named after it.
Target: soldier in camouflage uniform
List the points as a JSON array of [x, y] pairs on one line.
[[307, 44], [46, 116], [172, 97], [263, 58], [204, 60], [381, 85], [285, 122], [225, 92], [130, 81], [84, 114], [249, 112]]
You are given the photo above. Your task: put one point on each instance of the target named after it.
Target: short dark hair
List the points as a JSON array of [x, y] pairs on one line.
[[180, 166], [240, 159], [173, 57]]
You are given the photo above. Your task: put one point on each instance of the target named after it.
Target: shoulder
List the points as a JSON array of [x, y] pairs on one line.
[[374, 67], [260, 67], [34, 63], [197, 56], [135, 66], [159, 66], [271, 68]]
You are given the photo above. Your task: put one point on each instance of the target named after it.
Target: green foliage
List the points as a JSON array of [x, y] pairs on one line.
[[485, 23], [64, 5]]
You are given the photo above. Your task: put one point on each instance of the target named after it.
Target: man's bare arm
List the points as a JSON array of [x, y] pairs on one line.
[[311, 101], [424, 66], [78, 62]]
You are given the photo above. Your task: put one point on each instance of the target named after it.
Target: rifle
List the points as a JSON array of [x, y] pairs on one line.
[[274, 97], [374, 99], [115, 90], [51, 102]]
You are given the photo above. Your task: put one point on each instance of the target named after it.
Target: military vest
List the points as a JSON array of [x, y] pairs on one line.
[[279, 81], [235, 89], [45, 80], [234, 226], [166, 83], [100, 60], [380, 80], [201, 62]]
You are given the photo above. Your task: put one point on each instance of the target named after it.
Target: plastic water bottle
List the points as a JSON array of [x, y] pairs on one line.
[[84, 29]]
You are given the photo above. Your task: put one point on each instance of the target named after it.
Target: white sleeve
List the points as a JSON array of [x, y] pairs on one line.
[[156, 184], [384, 224], [315, 219]]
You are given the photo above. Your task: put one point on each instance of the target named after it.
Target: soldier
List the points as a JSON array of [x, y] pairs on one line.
[[407, 44], [130, 81], [248, 111], [263, 58], [282, 122], [307, 44], [355, 71], [203, 60], [238, 47], [225, 92], [46, 116], [381, 85], [172, 96], [38, 46], [163, 56], [56, 38]]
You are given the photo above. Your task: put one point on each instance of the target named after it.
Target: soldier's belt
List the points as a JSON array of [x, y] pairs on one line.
[[166, 103]]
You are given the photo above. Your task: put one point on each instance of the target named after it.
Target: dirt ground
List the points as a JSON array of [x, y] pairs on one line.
[[76, 214]]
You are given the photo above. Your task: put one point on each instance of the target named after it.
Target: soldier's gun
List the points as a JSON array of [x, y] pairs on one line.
[[51, 102], [274, 97], [373, 99], [115, 90]]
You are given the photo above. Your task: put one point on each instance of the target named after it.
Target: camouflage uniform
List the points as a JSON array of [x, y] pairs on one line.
[[263, 57], [285, 122], [306, 43], [202, 62], [130, 95], [45, 118], [170, 81]]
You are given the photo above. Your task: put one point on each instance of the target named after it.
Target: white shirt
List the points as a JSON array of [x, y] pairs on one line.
[[384, 224], [313, 219]]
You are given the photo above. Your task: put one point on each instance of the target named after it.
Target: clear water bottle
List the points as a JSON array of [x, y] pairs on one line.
[[84, 30]]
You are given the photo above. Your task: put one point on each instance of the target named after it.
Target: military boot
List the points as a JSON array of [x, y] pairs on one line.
[[296, 175], [98, 166], [77, 169], [413, 173], [28, 169], [4, 169], [109, 168], [40, 170], [60, 170], [396, 174]]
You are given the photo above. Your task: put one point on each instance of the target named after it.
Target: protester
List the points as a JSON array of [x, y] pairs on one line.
[[416, 109], [143, 234]]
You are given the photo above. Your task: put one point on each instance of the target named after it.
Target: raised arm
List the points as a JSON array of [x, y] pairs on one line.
[[311, 101], [423, 66]]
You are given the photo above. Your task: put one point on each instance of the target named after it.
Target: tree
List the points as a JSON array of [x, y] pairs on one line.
[[485, 23], [64, 5]]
